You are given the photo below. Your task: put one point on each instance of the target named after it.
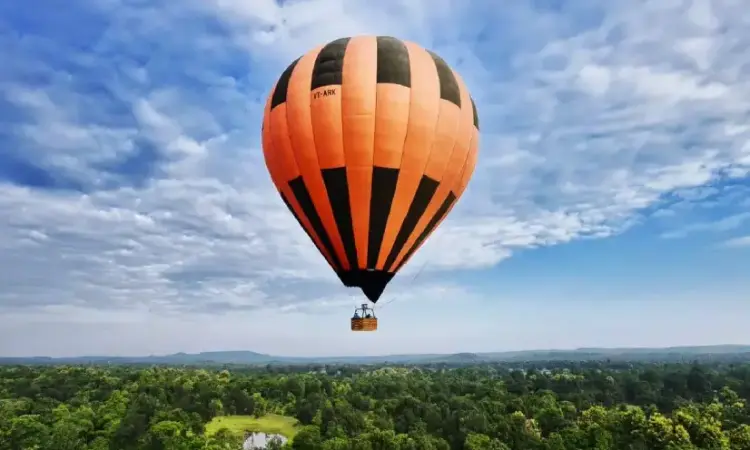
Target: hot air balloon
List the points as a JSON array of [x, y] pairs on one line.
[[370, 141]]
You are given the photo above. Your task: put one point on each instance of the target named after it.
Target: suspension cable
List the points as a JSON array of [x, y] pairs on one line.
[[400, 294]]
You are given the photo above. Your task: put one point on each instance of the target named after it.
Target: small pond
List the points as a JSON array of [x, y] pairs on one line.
[[256, 441]]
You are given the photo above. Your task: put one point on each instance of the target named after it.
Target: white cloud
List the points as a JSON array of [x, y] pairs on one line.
[[743, 241], [150, 135], [724, 224]]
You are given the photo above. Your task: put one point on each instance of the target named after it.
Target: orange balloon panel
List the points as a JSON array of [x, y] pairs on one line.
[[370, 142]]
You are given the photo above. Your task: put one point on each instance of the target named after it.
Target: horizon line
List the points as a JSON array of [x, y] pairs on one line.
[[674, 347]]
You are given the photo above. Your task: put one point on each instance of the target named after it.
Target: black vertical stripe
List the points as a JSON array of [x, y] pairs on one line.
[[384, 182], [439, 214], [393, 61], [474, 110], [282, 86], [299, 221], [338, 194], [448, 85], [423, 196], [308, 207], [329, 65]]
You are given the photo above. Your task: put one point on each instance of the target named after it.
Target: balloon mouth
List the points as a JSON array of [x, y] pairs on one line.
[[371, 281]]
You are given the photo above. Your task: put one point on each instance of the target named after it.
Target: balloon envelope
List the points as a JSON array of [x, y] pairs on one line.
[[370, 141]]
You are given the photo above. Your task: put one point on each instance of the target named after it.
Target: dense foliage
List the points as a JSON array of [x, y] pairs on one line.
[[572, 406]]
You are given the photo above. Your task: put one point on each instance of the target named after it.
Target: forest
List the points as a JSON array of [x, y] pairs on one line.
[[555, 405]]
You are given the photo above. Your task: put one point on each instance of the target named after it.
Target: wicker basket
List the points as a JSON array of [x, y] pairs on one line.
[[365, 324]]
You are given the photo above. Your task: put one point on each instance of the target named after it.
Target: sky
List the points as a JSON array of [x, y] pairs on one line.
[[610, 205]]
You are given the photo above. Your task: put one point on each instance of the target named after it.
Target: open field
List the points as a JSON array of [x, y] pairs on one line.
[[270, 423]]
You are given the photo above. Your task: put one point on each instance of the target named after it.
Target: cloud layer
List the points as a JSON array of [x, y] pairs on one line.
[[131, 174]]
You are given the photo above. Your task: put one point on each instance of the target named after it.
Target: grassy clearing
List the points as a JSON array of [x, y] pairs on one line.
[[270, 423]]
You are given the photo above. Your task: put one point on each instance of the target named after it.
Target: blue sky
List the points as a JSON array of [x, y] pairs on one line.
[[610, 206]]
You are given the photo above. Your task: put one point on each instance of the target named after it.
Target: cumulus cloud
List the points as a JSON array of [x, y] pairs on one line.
[[132, 175]]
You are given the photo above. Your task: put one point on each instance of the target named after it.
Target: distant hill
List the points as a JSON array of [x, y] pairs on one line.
[[460, 358], [253, 358]]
